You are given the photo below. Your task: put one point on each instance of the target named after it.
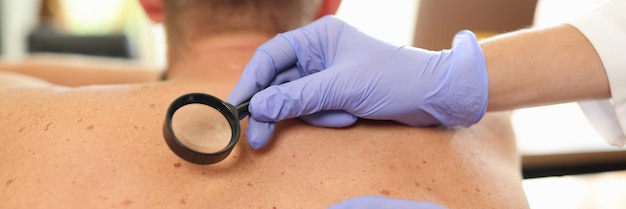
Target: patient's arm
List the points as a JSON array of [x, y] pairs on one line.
[[82, 70]]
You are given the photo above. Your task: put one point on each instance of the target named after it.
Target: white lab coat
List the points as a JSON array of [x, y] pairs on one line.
[[605, 27]]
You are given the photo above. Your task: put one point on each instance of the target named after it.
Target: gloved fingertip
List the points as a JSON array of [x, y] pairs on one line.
[[462, 36], [259, 133], [255, 144], [380, 202]]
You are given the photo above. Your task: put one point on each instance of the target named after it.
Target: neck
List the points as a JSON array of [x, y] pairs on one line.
[[219, 55]]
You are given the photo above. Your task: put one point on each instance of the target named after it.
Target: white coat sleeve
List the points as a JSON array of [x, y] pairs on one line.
[[605, 28]]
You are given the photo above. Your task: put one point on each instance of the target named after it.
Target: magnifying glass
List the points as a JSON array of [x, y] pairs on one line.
[[201, 128]]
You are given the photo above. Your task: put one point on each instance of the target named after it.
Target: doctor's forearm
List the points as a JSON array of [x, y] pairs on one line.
[[542, 66]]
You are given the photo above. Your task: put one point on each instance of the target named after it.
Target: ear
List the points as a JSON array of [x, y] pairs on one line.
[[328, 7], [153, 9]]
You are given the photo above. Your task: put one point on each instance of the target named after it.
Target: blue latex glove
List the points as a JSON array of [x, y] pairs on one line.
[[328, 73], [377, 202]]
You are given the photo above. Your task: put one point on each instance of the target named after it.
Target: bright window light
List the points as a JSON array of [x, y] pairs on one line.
[[93, 16]]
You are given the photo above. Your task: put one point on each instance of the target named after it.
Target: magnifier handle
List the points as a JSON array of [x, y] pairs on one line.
[[242, 110]]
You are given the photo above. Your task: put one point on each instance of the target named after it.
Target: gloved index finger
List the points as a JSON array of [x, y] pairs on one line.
[[306, 47], [269, 60]]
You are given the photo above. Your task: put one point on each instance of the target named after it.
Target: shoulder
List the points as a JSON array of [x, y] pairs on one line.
[[10, 80]]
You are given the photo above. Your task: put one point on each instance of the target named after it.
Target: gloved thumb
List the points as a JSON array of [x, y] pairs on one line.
[[304, 96], [260, 133]]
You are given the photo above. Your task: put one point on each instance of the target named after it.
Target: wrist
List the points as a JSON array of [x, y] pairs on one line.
[[466, 99]]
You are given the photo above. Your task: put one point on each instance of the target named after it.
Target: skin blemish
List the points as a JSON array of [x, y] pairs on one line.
[[423, 162], [152, 105], [432, 180], [178, 165], [136, 127], [89, 127], [385, 192], [429, 189], [282, 173], [250, 184], [21, 129], [183, 201], [127, 202], [79, 120], [477, 190], [9, 182], [293, 156], [48, 126], [417, 184]]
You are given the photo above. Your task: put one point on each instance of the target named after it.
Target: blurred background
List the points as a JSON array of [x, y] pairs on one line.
[[101, 28], [567, 164]]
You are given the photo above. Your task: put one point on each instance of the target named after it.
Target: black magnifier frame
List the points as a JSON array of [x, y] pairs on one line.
[[231, 113]]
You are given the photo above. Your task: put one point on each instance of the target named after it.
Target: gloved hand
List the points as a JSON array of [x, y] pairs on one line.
[[328, 73], [377, 202]]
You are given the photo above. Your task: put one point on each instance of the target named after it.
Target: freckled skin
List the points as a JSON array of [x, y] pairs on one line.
[[107, 150]]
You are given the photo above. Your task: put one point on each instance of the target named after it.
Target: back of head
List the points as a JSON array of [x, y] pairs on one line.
[[188, 20]]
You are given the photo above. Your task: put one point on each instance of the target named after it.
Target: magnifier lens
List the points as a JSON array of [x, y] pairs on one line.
[[201, 128]]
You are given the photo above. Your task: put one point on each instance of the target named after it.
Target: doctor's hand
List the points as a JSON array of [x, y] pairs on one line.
[[377, 202], [329, 73]]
